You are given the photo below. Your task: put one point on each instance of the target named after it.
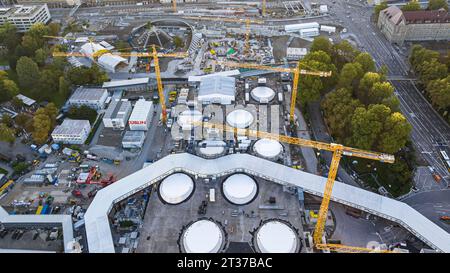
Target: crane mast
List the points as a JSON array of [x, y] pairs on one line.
[[338, 151]]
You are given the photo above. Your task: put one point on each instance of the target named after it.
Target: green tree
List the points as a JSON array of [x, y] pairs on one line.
[[10, 89], [439, 91], [379, 92], [419, 54], [179, 43], [47, 87], [54, 29], [431, 70], [411, 6], [27, 72], [366, 83], [24, 121], [325, 60], [339, 107], [64, 87], [310, 87], [6, 133], [7, 120], [82, 112], [40, 55], [350, 75], [366, 62], [395, 134], [378, 8], [367, 125], [321, 43], [42, 126], [9, 36], [437, 4], [52, 112], [343, 53]]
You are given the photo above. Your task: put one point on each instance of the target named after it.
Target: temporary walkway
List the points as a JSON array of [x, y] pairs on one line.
[[38, 221], [99, 232]]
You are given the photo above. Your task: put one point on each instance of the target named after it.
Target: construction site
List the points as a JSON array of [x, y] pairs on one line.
[[201, 146]]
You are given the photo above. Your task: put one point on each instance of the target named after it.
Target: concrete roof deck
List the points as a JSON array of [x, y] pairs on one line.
[[99, 232]]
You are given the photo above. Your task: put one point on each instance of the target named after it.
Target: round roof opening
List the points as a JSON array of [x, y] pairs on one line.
[[240, 118], [187, 117], [276, 237], [268, 148], [203, 236], [176, 188], [262, 94], [239, 189]]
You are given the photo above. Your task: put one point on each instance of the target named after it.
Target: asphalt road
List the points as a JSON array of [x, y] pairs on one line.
[[429, 130], [432, 204]]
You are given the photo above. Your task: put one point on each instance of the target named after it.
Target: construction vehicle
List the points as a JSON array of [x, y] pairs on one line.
[[108, 180], [296, 71], [338, 151], [247, 22], [437, 177], [74, 157], [77, 193]]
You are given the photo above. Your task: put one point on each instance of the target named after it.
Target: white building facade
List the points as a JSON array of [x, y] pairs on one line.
[[24, 16], [141, 116], [72, 131], [92, 97], [117, 115]]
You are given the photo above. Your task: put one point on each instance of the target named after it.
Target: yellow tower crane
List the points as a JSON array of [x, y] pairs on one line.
[[296, 71], [338, 151], [174, 6], [155, 55], [263, 8], [247, 22]]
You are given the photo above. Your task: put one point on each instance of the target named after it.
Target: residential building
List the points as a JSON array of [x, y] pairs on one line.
[[72, 131], [24, 16], [92, 97], [425, 25], [117, 114]]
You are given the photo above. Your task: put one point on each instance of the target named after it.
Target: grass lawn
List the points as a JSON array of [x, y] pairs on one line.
[[396, 183]]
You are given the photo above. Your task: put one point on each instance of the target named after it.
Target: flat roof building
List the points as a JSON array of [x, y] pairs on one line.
[[72, 131], [117, 114], [24, 16], [141, 116], [218, 89], [26, 100], [138, 84], [296, 53], [92, 97], [133, 139]]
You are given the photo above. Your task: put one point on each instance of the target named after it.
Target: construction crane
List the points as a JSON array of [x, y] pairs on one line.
[[263, 8], [338, 151], [296, 71], [174, 6], [247, 22]]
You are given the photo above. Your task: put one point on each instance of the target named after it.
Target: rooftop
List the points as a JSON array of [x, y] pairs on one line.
[[18, 11], [87, 94], [122, 83], [221, 85], [71, 127]]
